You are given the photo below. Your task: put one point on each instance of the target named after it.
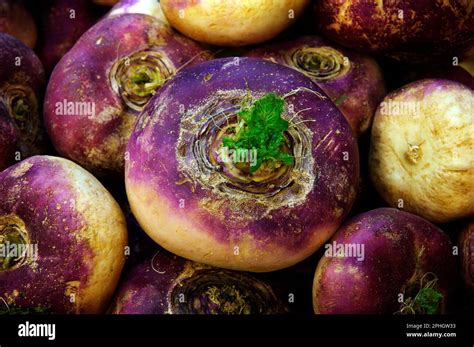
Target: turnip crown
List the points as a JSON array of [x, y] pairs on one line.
[[262, 128]]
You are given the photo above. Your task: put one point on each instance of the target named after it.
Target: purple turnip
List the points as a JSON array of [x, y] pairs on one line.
[[17, 21], [353, 81], [386, 261], [71, 234], [21, 94], [421, 152], [232, 23], [412, 31], [466, 250], [99, 87], [74, 17], [243, 164], [167, 284], [149, 7]]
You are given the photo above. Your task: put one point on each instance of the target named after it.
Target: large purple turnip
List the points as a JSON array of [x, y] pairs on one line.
[[99, 87], [17, 21], [21, 94], [261, 205], [74, 17], [386, 261], [421, 150], [167, 284], [353, 81], [409, 30], [62, 238]]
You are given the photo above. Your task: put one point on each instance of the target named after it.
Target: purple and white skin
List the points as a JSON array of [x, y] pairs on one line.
[[353, 81], [101, 85], [22, 86], [466, 251], [204, 208], [17, 21], [149, 7], [403, 255], [71, 231], [74, 17], [411, 31], [168, 284]]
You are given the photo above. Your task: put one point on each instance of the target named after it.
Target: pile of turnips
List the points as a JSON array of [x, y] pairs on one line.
[[250, 157]]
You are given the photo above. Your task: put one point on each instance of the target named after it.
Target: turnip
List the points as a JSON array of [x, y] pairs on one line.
[[99, 87], [167, 284], [17, 21], [466, 249], [243, 164], [74, 17], [410, 30], [232, 23], [406, 265], [353, 81], [21, 94], [421, 155], [149, 7], [62, 238]]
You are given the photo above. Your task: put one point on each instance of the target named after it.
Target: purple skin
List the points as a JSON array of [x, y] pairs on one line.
[[400, 248], [8, 139], [357, 90], [266, 241], [105, 72], [17, 21], [428, 28], [156, 285], [466, 248], [50, 202], [57, 14], [21, 94]]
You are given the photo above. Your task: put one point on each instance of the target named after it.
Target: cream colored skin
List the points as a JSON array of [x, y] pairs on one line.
[[426, 157], [230, 22], [191, 240]]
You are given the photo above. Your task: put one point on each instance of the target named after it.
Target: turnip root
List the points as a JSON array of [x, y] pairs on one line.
[[232, 23], [21, 94], [421, 156], [215, 175], [353, 81], [73, 233], [100, 86], [17, 21], [406, 265], [167, 284], [410, 30]]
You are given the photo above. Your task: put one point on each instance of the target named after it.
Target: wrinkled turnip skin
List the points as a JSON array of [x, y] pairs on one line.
[[17, 21], [98, 142], [80, 232], [149, 7], [21, 69], [232, 23], [209, 228], [149, 288], [357, 93], [57, 14], [399, 248], [466, 251], [438, 182], [428, 28]]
